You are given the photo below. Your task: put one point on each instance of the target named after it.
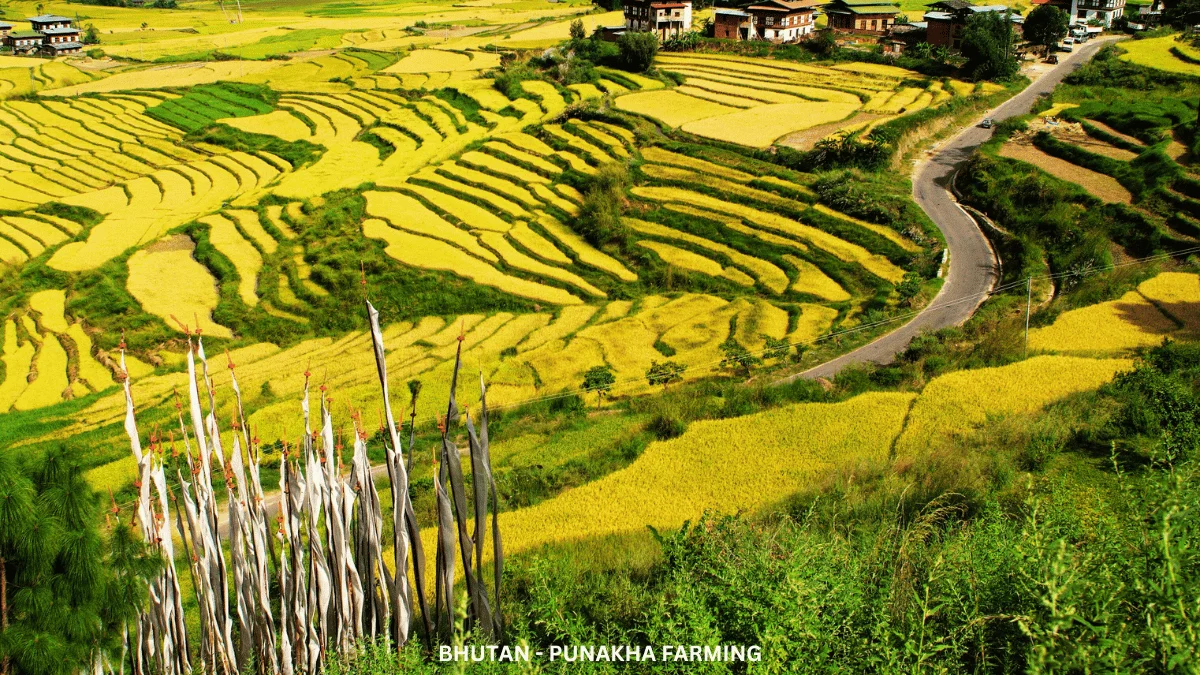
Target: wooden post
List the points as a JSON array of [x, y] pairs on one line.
[[1028, 308]]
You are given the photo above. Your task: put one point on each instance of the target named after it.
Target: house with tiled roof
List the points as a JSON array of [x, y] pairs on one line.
[[946, 21], [5, 29], [861, 16], [52, 35], [777, 21], [664, 18], [1082, 11]]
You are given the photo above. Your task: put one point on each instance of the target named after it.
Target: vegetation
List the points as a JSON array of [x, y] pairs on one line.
[[70, 591], [1046, 25]]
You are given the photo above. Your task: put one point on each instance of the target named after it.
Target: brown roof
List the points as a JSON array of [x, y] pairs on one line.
[[785, 5]]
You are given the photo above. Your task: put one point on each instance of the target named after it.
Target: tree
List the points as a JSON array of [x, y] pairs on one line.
[[738, 357], [91, 36], [1046, 25], [66, 593], [599, 218], [577, 30], [987, 45], [599, 379], [637, 50], [667, 372], [777, 348], [909, 287]]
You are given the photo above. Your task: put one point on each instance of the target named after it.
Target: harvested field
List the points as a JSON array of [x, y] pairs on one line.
[[1102, 186]]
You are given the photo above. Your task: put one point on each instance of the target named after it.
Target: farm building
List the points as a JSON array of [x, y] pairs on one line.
[[946, 21], [862, 16], [771, 20], [52, 35], [5, 29], [664, 19], [1082, 11]]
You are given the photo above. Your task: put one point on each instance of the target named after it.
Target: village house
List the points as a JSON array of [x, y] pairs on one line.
[[664, 19], [861, 16], [771, 20], [5, 29], [946, 21], [52, 35], [1103, 12]]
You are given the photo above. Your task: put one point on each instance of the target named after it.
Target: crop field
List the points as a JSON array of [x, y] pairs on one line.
[[1156, 53], [727, 466], [951, 405], [1165, 306], [756, 102], [1101, 185]]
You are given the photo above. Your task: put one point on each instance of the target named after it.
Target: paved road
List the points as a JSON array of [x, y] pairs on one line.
[[973, 266]]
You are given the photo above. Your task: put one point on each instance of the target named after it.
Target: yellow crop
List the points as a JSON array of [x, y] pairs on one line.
[[882, 230], [844, 250], [671, 107], [114, 475], [496, 165], [527, 158], [552, 198], [166, 280], [10, 253], [814, 322], [683, 259], [552, 101], [494, 201], [612, 87], [587, 254], [875, 69], [953, 404], [472, 215], [586, 91], [724, 466], [407, 213], [685, 175], [249, 223], [17, 361], [540, 246], [97, 376], [514, 258], [654, 153], [570, 320], [280, 123], [51, 309], [760, 126], [1156, 53], [771, 276], [1177, 294], [418, 251], [31, 246], [577, 143], [51, 380], [810, 279], [1115, 326], [245, 258], [614, 145], [757, 318], [175, 75], [507, 188]]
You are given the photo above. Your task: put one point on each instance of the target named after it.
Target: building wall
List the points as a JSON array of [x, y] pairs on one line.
[[726, 27], [939, 33]]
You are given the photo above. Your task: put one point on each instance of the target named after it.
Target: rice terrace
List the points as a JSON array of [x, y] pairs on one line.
[[563, 336]]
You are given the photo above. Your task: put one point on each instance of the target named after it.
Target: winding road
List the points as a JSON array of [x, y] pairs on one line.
[[973, 267]]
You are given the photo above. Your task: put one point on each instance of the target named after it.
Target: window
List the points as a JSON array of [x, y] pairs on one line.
[[770, 21], [873, 27]]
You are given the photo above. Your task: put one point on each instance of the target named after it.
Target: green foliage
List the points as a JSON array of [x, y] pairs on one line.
[[665, 373], [637, 50], [599, 218], [776, 348], [577, 30], [297, 153], [71, 591], [987, 44], [91, 36], [737, 357], [1046, 25], [200, 106], [1107, 69], [599, 380]]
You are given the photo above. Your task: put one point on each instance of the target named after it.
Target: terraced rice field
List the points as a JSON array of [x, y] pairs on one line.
[[1098, 184], [1156, 53], [756, 102], [1167, 306]]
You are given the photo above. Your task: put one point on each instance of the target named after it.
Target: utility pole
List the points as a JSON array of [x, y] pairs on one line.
[[1028, 308]]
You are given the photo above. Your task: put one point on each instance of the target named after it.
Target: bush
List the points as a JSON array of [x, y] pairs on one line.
[[637, 50], [599, 218]]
